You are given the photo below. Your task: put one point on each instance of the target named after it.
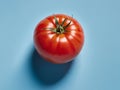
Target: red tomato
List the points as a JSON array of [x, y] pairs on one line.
[[58, 38]]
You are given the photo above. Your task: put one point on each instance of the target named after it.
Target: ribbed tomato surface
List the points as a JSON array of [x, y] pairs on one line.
[[58, 38]]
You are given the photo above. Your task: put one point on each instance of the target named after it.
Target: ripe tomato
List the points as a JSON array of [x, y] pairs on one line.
[[58, 38]]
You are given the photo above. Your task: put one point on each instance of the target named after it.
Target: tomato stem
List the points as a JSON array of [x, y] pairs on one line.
[[59, 27]]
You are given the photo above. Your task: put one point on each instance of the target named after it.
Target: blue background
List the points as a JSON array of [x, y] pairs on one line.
[[97, 67]]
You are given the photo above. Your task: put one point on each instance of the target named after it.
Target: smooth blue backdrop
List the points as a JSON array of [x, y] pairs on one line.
[[97, 67]]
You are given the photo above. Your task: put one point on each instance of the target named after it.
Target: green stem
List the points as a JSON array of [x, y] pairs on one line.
[[59, 27]]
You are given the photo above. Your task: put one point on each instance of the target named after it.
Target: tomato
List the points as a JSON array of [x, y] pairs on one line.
[[58, 38]]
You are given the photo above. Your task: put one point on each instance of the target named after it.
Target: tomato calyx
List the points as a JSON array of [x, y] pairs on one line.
[[60, 28]]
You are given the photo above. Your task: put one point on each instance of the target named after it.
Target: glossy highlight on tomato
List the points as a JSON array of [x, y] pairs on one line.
[[58, 38]]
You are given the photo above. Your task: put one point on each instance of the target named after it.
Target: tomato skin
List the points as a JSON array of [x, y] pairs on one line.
[[58, 48]]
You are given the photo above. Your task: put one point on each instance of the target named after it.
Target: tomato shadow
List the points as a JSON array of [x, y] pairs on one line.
[[46, 72]]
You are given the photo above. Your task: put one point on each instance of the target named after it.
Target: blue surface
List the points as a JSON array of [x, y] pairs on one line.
[[97, 67]]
